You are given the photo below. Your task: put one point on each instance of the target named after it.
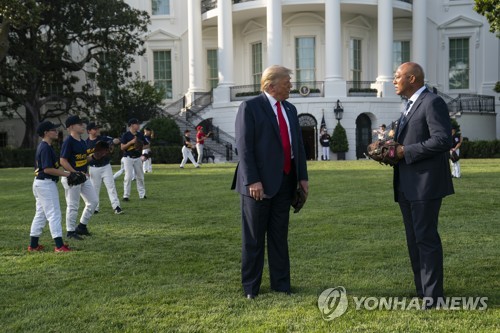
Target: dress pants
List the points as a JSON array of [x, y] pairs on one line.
[[268, 216], [424, 245]]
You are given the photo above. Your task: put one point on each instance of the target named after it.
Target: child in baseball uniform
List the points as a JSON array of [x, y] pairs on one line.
[[74, 158], [147, 164], [100, 170], [133, 162], [186, 151], [47, 175]]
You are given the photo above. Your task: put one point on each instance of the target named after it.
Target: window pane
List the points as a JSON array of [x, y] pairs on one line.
[[459, 67], [213, 71], [256, 64], [160, 7], [162, 70], [400, 53], [305, 59], [355, 61]]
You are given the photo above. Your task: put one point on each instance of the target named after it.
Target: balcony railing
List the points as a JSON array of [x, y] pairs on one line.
[[299, 89], [207, 5], [360, 88]]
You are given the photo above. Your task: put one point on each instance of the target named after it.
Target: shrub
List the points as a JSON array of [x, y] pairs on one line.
[[338, 141], [480, 149]]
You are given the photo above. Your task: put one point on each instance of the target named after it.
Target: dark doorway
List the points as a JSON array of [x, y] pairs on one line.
[[363, 135], [309, 127]]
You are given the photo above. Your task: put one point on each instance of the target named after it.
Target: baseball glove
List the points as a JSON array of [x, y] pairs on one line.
[[384, 151], [138, 145], [454, 157], [299, 199], [102, 149], [76, 178]]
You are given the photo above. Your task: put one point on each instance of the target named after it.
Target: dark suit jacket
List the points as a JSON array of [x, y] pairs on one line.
[[259, 146], [424, 173]]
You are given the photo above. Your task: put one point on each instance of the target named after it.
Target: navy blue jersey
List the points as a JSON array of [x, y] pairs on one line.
[[45, 157], [131, 151], [187, 142], [75, 151], [91, 147]]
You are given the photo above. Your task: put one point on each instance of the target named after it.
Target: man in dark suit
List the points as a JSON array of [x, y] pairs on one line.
[[422, 178], [272, 163]]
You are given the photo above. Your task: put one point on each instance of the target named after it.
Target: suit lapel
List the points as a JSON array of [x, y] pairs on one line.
[[413, 110]]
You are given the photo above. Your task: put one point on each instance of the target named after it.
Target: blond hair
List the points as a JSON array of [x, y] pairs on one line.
[[272, 75]]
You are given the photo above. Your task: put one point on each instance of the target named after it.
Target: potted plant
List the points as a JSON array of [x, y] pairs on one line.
[[338, 142]]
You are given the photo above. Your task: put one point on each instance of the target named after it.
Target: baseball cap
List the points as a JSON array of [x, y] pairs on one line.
[[45, 126], [133, 121], [92, 126], [73, 120]]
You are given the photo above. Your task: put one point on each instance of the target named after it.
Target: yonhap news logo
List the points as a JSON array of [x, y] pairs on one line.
[[333, 303]]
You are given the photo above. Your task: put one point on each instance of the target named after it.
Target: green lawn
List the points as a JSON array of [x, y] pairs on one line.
[[171, 263]]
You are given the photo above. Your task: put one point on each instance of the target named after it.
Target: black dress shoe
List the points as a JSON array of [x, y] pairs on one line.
[[251, 296]]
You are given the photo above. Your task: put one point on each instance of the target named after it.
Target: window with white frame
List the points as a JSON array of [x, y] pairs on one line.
[[458, 63], [400, 53], [212, 68], [162, 71], [305, 59], [355, 61], [160, 7], [256, 64]]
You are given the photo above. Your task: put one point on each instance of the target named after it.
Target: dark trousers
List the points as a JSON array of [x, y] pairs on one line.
[[424, 245], [271, 217]]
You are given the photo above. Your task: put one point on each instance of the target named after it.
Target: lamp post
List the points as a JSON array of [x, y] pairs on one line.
[[339, 111], [340, 144]]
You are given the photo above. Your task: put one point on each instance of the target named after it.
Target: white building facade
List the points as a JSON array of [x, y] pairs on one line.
[[344, 50], [339, 50]]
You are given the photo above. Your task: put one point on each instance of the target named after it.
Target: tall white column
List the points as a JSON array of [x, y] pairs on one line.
[[419, 51], [195, 65], [225, 42], [222, 93], [335, 85], [384, 52], [274, 33], [385, 40]]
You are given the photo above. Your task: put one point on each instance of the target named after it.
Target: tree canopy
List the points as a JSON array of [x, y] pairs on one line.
[[60, 54], [491, 10]]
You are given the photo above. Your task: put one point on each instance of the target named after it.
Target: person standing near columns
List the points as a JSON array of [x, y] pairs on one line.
[[272, 165], [324, 140], [422, 177]]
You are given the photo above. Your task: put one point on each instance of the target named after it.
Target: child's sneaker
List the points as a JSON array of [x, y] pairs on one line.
[[64, 248]]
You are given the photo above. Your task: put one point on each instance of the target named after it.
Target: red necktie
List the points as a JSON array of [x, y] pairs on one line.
[[285, 140]]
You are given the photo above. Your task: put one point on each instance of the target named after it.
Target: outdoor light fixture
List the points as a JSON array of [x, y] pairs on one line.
[[339, 111]]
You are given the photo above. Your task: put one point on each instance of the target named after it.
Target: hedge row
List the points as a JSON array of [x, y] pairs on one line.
[[480, 149], [14, 158]]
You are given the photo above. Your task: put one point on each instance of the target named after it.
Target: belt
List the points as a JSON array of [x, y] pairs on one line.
[[54, 180]]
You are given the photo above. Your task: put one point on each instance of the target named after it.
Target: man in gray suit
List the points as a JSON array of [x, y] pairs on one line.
[[422, 178], [272, 164]]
